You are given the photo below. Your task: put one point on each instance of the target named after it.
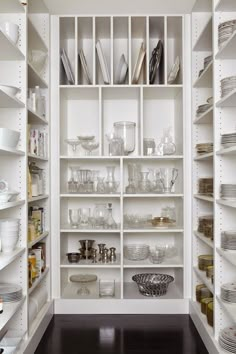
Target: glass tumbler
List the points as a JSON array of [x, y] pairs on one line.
[[74, 217], [106, 288], [126, 131], [149, 147], [85, 216]]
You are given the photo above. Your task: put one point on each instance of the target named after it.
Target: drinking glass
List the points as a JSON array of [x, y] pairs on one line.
[[168, 177], [100, 214], [106, 288], [149, 146], [85, 216], [144, 182], [74, 217]]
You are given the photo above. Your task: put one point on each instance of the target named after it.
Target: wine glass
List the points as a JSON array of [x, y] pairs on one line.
[[75, 217], [90, 146], [73, 143]]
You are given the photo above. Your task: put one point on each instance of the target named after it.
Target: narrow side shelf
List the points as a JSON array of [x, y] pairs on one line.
[[227, 51], [204, 41], [6, 151], [205, 118], [35, 199], [202, 275], [35, 79], [34, 118], [10, 309], [8, 258], [227, 151], [204, 157], [7, 101], [229, 308], [9, 51], [228, 203], [204, 198], [38, 239], [230, 256], [204, 239], [11, 204], [226, 5], [38, 281], [205, 79], [35, 157], [228, 101]]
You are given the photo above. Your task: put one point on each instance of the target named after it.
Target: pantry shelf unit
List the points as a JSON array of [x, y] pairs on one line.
[[100, 105]]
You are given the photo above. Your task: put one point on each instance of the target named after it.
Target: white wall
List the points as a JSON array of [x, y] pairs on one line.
[[119, 6]]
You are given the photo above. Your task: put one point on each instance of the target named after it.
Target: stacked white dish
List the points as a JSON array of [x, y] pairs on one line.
[[228, 292], [228, 84], [228, 240], [227, 339], [203, 108], [225, 31], [228, 140], [10, 292], [9, 234], [136, 252], [228, 191]]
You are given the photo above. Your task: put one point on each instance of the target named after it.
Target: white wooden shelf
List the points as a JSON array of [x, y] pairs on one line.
[[175, 262], [7, 101], [227, 51], [35, 157], [226, 6], [11, 204], [202, 318], [208, 156], [131, 292], [229, 308], [228, 203], [9, 51], [35, 199], [228, 101], [205, 79], [38, 281], [104, 157], [202, 276], [8, 258], [202, 6], [9, 310], [230, 256], [75, 195], [40, 317], [35, 36], [155, 230], [205, 118], [34, 118], [82, 264], [13, 6], [204, 41], [227, 151], [6, 151], [70, 292], [157, 195], [38, 239], [35, 79], [205, 198], [204, 239], [69, 229]]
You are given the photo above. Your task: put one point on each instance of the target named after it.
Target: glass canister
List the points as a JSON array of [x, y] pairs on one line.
[[126, 131], [100, 215]]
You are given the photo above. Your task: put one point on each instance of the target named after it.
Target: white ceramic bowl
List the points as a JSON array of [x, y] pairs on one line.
[[11, 30], [9, 138], [8, 197], [10, 90], [9, 244]]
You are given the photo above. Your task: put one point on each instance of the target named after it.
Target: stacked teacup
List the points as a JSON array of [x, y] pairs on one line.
[[9, 234]]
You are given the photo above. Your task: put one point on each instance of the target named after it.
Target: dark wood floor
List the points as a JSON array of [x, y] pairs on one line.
[[122, 334]]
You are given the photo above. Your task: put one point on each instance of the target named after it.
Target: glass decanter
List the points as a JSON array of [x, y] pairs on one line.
[[132, 178], [144, 184], [110, 222], [111, 184], [167, 147]]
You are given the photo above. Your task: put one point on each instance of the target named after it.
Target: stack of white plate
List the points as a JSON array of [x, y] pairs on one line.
[[203, 108], [204, 148], [225, 31], [228, 292], [228, 84], [228, 191], [207, 61], [10, 292], [228, 140], [9, 234], [227, 339], [228, 240]]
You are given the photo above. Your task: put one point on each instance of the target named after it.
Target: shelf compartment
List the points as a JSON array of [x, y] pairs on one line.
[[38, 281], [85, 43], [103, 33], [120, 46], [205, 118], [35, 79], [228, 101], [205, 79], [6, 151], [227, 51], [226, 6], [138, 36], [230, 308], [204, 198], [8, 258], [11, 204], [230, 256], [34, 118], [204, 157], [13, 6], [175, 45], [9, 51], [231, 151], [204, 239], [38, 239], [35, 41], [40, 197], [7, 101], [156, 33], [227, 203], [204, 41], [202, 276], [10, 309], [67, 42]]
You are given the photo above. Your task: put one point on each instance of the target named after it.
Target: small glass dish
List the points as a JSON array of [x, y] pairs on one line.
[[157, 256], [106, 288]]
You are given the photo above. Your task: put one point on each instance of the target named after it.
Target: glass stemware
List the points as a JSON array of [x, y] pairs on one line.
[[168, 177], [74, 217], [90, 146], [73, 143], [85, 217]]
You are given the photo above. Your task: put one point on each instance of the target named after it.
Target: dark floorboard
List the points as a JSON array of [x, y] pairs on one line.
[[121, 334]]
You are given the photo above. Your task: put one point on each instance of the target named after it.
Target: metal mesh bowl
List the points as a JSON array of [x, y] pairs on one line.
[[153, 284]]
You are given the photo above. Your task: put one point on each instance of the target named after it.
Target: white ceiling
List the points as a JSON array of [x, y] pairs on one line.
[[74, 7]]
